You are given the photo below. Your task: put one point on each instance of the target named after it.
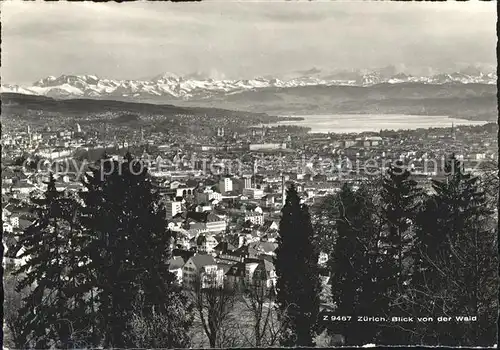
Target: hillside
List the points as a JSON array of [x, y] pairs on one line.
[[20, 104], [470, 101]]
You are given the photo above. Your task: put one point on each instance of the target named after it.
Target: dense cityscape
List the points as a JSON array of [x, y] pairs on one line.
[[243, 175], [224, 189]]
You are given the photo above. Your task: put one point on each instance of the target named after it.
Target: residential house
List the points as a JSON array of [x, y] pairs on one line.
[[264, 247], [225, 252], [255, 217], [176, 222], [202, 269], [7, 227], [206, 222], [215, 223], [173, 208], [235, 277], [203, 208], [270, 226], [250, 267], [206, 243], [267, 200], [252, 237], [271, 237], [245, 252], [253, 193], [5, 213], [176, 265], [265, 274], [223, 248], [207, 195], [183, 191]]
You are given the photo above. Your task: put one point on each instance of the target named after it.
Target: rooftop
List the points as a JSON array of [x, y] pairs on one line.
[[201, 260]]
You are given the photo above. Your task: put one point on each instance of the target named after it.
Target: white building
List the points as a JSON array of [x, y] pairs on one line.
[[175, 266], [226, 185], [54, 153], [173, 208], [253, 193], [265, 273], [266, 146], [207, 195], [7, 227], [255, 217], [14, 221], [216, 223], [202, 269], [184, 191], [203, 208], [247, 181]]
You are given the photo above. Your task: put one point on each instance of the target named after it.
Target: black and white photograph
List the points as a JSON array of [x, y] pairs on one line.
[[245, 174]]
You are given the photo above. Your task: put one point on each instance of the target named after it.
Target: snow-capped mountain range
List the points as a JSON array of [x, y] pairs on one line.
[[193, 87]]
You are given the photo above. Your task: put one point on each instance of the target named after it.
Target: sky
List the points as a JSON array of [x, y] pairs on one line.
[[239, 40]]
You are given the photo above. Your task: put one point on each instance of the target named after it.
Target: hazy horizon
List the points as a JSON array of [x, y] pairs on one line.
[[241, 40]]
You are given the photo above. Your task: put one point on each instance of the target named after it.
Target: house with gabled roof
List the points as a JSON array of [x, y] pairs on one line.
[[175, 266], [265, 274], [206, 243], [224, 248], [202, 269], [264, 247], [234, 279], [206, 221], [270, 225], [245, 251]]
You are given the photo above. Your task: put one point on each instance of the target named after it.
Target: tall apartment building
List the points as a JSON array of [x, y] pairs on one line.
[[226, 185], [173, 208], [247, 181]]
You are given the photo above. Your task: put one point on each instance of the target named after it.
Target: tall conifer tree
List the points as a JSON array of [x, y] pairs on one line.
[[354, 265], [129, 248], [400, 200], [457, 259], [298, 282], [46, 318]]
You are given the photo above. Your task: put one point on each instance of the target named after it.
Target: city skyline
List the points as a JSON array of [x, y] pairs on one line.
[[211, 39]]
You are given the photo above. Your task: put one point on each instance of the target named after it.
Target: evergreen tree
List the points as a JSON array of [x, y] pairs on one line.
[[353, 264], [298, 282], [400, 200], [129, 248], [456, 260], [46, 315]]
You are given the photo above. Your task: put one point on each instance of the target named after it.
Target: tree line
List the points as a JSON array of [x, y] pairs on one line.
[[97, 268], [399, 251], [95, 273]]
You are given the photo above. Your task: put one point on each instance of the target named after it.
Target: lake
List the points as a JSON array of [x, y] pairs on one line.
[[356, 123]]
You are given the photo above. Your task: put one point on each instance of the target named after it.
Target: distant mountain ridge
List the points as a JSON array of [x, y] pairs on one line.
[[196, 86]]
